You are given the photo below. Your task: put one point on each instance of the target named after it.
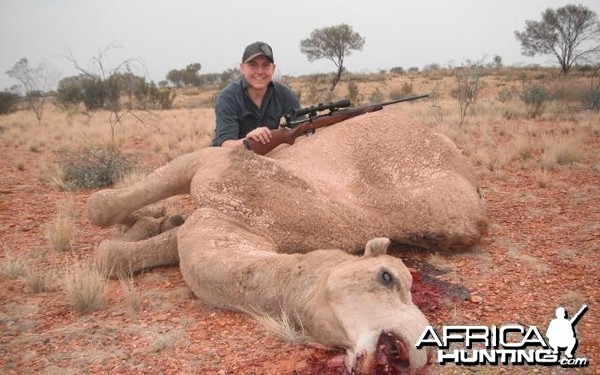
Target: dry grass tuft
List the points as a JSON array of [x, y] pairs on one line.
[[562, 151], [54, 175], [440, 261], [523, 148], [160, 342], [547, 161], [61, 231], [12, 268], [542, 178], [283, 327], [37, 280], [130, 178], [534, 263], [569, 152], [566, 253], [133, 296], [85, 285]]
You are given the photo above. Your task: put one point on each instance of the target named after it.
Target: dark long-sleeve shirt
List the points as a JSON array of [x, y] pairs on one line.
[[237, 115]]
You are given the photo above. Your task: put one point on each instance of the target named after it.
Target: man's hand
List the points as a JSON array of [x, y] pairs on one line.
[[259, 135], [262, 135]]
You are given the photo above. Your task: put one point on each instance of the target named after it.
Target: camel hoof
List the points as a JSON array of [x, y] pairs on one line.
[[170, 222], [102, 210]]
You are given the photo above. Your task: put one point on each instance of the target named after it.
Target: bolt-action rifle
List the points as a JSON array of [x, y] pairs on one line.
[[306, 120]]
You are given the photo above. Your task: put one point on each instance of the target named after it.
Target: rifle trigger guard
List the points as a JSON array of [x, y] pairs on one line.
[[312, 129]]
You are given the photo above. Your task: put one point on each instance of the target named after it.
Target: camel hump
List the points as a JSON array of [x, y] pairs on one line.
[[377, 246]]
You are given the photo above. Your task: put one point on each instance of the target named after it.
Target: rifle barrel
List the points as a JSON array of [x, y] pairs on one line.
[[404, 99], [305, 125]]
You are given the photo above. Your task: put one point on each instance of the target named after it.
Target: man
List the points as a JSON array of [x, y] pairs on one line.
[[250, 107]]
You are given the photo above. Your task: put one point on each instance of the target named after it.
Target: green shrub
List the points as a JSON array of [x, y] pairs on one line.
[[151, 96], [94, 94], [535, 96], [7, 102], [70, 91], [504, 95], [354, 93], [162, 98], [94, 167], [590, 99], [376, 96]]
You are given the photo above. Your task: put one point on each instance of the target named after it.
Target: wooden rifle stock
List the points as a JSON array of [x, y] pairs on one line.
[[288, 135]]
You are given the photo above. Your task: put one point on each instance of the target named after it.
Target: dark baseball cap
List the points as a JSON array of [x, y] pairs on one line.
[[257, 49]]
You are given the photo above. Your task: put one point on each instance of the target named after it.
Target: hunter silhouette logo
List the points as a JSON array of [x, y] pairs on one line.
[[561, 332], [508, 344]]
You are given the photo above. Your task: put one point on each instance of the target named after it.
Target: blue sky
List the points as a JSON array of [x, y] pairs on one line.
[[170, 34]]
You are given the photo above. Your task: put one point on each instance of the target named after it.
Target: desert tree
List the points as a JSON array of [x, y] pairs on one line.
[[468, 86], [570, 33], [497, 62], [229, 75], [190, 76], [35, 82], [333, 43], [104, 85]]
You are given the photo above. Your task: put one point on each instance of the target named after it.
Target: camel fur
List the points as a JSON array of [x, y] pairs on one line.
[[281, 232]]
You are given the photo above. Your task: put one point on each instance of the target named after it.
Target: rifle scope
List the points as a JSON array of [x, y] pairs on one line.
[[332, 106]]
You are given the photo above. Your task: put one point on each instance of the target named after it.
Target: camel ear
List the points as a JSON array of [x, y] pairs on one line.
[[377, 246]]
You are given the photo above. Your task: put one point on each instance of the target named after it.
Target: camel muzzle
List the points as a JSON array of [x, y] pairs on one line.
[[392, 357]]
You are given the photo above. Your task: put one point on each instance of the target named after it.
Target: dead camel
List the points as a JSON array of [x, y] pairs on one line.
[[253, 242]]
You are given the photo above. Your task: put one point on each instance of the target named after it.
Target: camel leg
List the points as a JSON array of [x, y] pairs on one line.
[[221, 262], [142, 246], [111, 206], [147, 227], [154, 210], [121, 258]]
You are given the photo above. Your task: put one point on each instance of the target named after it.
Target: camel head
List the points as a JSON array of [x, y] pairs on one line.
[[371, 313]]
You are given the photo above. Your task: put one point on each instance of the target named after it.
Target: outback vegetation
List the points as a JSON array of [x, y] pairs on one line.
[[532, 134]]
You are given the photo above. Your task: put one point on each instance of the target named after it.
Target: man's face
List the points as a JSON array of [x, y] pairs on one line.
[[258, 72]]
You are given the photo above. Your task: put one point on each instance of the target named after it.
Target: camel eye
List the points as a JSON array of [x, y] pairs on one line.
[[386, 278]]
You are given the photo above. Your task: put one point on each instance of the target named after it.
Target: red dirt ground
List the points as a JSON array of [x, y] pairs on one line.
[[541, 252]]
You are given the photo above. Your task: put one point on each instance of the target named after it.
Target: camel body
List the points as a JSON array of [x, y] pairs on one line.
[[281, 233]]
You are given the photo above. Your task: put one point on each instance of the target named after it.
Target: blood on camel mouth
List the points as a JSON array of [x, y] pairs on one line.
[[391, 356]]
